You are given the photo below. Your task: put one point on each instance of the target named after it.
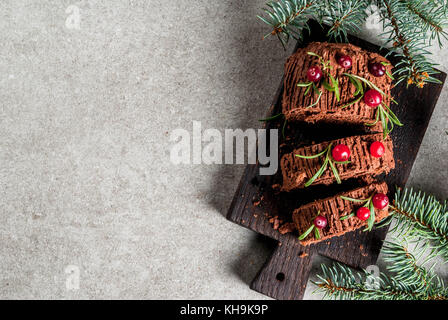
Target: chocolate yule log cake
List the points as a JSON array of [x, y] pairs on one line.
[[334, 161], [331, 82], [343, 213]]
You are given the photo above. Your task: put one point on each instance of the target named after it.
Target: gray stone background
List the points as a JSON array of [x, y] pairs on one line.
[[85, 121]]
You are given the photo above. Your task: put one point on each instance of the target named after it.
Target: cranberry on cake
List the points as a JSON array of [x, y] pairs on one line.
[[339, 83], [335, 216], [334, 161]]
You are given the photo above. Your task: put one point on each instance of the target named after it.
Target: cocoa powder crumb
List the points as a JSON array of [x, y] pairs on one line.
[[276, 187], [287, 227], [276, 222]]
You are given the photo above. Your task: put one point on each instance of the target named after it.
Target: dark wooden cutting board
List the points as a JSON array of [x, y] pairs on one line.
[[285, 274]]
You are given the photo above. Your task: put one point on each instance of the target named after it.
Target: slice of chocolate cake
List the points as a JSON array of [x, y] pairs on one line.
[[301, 103], [297, 172], [335, 208]]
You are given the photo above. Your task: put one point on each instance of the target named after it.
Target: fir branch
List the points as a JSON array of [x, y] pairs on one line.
[[405, 42], [406, 24], [340, 282], [343, 17], [405, 265], [288, 18], [419, 216], [429, 16]]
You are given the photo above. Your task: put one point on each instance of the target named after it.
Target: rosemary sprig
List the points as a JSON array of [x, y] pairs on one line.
[[311, 229], [388, 119], [316, 90], [325, 64], [352, 102], [383, 112], [332, 86], [370, 84], [387, 72], [306, 233], [366, 203], [285, 122], [328, 161], [351, 215]]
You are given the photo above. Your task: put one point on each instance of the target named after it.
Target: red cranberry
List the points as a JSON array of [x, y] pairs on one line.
[[314, 74], [377, 69], [340, 153], [345, 61], [377, 149], [380, 201], [373, 98], [363, 213], [320, 222]]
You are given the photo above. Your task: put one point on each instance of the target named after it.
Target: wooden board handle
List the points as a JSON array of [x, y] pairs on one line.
[[286, 273]]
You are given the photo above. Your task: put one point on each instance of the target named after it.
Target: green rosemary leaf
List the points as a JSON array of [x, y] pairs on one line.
[[342, 162], [376, 120], [317, 101], [371, 220], [367, 82], [352, 102], [390, 75], [306, 233], [384, 122], [358, 85], [271, 118], [307, 90], [353, 200], [335, 85], [316, 234], [320, 154], [304, 85], [327, 86], [318, 173], [351, 215], [284, 128], [313, 54], [335, 172], [392, 116], [390, 125]]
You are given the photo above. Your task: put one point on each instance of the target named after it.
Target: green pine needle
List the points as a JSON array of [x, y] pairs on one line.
[[409, 27], [418, 218]]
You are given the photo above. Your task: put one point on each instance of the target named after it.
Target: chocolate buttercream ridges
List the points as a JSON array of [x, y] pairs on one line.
[[297, 171], [295, 103], [333, 209]]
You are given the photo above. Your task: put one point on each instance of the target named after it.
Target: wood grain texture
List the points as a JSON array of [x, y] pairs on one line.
[[286, 273]]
